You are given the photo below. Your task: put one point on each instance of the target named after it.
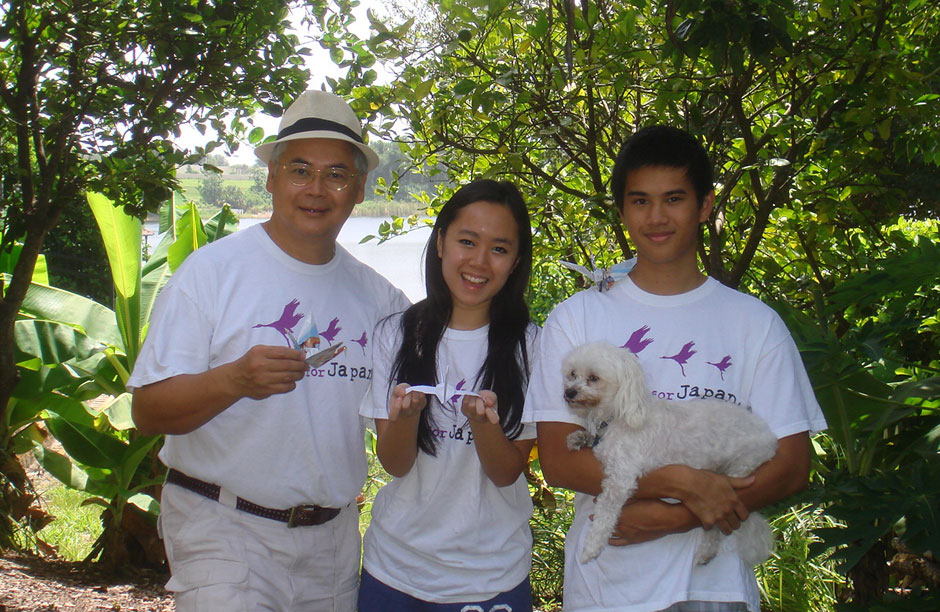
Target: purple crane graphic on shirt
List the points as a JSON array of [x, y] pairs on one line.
[[362, 341], [637, 342], [331, 330], [682, 357], [722, 365], [458, 387], [285, 324]]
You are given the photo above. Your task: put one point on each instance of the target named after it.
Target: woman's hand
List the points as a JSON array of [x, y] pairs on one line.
[[405, 405], [480, 409]]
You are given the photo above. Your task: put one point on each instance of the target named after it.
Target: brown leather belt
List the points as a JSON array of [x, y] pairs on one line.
[[299, 516]]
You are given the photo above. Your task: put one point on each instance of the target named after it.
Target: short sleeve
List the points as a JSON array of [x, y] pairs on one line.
[[784, 396], [178, 338], [387, 337], [545, 395]]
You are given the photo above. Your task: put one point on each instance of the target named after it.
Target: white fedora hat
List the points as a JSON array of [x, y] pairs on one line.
[[319, 114]]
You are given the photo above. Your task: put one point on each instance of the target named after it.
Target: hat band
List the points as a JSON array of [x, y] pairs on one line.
[[312, 124]]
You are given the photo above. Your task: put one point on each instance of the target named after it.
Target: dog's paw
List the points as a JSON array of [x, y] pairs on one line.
[[755, 540], [590, 552], [594, 542], [579, 439], [707, 546]]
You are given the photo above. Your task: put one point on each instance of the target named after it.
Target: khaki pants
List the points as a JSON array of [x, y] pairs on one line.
[[223, 559]]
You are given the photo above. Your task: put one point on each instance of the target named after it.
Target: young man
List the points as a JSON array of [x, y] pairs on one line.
[[260, 441], [694, 338]]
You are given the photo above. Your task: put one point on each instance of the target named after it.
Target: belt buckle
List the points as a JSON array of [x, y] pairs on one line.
[[296, 512]]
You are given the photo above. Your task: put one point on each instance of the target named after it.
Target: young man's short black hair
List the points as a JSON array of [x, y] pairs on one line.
[[662, 145]]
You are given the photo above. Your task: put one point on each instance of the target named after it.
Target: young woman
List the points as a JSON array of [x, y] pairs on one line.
[[450, 531]]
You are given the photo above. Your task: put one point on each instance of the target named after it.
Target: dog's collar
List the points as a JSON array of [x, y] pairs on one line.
[[597, 433]]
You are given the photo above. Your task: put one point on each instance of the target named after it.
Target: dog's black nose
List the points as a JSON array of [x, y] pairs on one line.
[[571, 393]]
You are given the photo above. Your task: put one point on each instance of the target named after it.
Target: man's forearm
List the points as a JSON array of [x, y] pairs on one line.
[[181, 404], [576, 470]]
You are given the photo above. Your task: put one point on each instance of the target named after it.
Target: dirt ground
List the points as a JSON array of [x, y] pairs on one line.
[[32, 584], [29, 583]]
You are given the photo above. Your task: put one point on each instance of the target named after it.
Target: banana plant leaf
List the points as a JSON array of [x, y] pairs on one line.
[[54, 304], [121, 234]]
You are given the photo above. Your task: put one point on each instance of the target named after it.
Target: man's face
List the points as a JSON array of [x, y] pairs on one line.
[[313, 212], [661, 212]]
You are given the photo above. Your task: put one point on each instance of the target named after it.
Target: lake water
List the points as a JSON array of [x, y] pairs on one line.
[[400, 260]]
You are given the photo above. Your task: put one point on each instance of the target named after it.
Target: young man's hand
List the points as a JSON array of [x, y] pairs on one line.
[[713, 498], [643, 520]]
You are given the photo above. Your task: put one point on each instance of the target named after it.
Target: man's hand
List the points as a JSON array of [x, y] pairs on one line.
[[643, 520], [713, 498], [267, 370], [480, 409], [405, 405], [183, 403]]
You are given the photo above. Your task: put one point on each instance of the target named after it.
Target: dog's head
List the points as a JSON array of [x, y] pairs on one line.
[[605, 383]]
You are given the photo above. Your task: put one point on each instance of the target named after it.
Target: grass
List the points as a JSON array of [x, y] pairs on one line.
[[75, 528], [791, 580]]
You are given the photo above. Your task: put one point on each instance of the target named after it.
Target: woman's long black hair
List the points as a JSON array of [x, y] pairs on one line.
[[505, 370]]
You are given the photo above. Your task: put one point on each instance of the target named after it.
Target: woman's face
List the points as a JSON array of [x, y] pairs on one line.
[[478, 252]]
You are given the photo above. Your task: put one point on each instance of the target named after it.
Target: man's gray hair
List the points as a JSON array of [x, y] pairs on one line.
[[359, 158]]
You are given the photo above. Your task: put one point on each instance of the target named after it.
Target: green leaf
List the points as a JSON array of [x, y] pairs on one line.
[[190, 235], [255, 135], [53, 343], [9, 258], [53, 304], [118, 411], [67, 408], [464, 87], [88, 446], [221, 224], [64, 470], [145, 502], [135, 452], [122, 239]]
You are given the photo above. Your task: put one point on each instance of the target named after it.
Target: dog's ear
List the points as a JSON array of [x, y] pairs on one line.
[[632, 400]]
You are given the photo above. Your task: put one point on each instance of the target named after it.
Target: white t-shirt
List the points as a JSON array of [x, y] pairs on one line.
[[709, 342], [301, 447], [444, 532]]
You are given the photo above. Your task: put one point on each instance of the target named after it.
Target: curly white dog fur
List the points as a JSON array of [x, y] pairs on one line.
[[606, 384]]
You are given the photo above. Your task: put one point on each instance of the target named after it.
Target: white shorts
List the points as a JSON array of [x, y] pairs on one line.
[[226, 559]]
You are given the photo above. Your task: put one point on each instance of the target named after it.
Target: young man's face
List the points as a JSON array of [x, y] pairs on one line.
[[661, 212]]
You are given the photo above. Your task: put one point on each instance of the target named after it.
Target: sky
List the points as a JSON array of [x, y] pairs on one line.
[[320, 66]]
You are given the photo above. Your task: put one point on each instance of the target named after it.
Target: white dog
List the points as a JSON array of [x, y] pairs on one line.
[[639, 433]]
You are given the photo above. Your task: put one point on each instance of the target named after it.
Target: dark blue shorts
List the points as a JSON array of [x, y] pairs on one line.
[[375, 596]]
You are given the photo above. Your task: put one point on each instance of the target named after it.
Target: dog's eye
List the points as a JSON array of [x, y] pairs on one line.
[[593, 378]]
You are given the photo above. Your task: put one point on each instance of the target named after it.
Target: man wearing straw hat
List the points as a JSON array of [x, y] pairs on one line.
[[265, 447]]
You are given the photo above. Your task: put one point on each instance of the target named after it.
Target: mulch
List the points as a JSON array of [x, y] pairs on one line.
[[34, 584]]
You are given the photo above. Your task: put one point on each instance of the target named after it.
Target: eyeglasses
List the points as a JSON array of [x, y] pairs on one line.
[[301, 174]]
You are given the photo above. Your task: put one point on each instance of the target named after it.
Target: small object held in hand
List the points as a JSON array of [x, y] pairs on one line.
[[325, 356], [442, 391]]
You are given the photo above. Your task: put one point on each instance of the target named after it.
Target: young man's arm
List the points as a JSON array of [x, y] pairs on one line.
[[183, 403], [708, 499]]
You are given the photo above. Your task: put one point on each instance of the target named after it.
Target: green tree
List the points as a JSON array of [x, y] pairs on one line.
[[823, 121], [211, 188], [91, 92]]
